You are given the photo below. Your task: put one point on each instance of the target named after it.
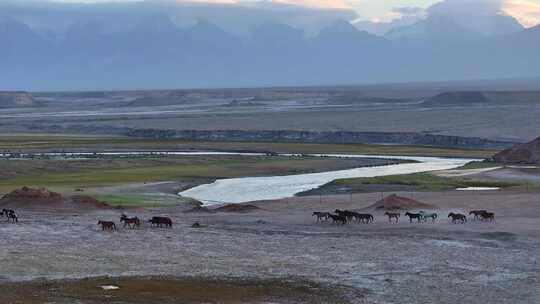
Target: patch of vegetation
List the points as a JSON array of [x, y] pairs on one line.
[[479, 165], [50, 142], [121, 200], [416, 181]]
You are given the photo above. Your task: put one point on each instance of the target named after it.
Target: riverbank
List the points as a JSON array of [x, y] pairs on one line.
[[118, 175]]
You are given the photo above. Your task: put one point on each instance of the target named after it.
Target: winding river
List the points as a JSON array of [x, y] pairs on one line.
[[246, 189]]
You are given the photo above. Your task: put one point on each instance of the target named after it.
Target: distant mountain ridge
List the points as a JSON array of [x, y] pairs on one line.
[[155, 53]]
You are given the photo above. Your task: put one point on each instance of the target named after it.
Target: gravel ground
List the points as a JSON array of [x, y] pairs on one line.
[[390, 263]]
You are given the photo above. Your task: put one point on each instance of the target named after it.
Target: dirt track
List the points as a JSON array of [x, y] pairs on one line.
[[403, 263]]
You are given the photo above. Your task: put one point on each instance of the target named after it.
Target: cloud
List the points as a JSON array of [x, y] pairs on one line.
[[528, 13]]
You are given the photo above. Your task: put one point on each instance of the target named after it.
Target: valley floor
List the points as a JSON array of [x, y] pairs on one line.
[[382, 263]]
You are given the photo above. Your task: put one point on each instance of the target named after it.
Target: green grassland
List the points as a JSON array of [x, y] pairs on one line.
[[65, 174]]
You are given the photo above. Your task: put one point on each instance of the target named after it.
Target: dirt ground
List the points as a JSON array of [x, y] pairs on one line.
[[382, 263]]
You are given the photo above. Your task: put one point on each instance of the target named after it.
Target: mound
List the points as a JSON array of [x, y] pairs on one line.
[[34, 196], [395, 202], [456, 99], [16, 99], [528, 153], [240, 208], [198, 209], [86, 201]]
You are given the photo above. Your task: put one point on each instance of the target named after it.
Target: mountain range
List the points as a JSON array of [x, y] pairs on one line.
[[156, 53]]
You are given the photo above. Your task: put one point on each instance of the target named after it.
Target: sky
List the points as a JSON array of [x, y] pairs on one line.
[[525, 11]]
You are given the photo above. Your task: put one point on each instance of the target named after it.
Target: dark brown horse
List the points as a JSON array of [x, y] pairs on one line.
[[457, 217], [364, 218], [392, 215], [477, 213], [160, 221], [131, 222], [487, 216], [418, 216], [111, 226], [338, 219]]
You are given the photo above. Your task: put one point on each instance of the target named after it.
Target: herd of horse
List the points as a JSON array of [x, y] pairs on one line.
[[10, 215], [343, 217], [135, 222]]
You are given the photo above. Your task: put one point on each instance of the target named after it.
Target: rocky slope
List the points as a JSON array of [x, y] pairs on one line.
[[528, 153]]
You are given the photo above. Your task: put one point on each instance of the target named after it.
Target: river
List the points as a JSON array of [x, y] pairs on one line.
[[246, 189]]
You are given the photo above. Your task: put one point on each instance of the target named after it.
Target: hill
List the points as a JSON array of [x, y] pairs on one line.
[[16, 99], [528, 153]]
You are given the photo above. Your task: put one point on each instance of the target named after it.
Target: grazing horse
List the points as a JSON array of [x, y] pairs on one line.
[[107, 225], [487, 216], [477, 213], [392, 215], [457, 217], [364, 218], [130, 222], [160, 221], [425, 216], [321, 215], [338, 219], [417, 216]]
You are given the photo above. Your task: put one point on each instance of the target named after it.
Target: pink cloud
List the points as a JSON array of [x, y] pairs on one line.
[[527, 12]]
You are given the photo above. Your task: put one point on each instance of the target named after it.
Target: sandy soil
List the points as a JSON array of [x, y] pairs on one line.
[[387, 263]]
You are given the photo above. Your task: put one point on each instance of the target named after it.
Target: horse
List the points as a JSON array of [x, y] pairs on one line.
[[159, 221], [392, 215], [11, 216], [457, 217], [321, 215], [426, 215], [477, 213], [346, 213], [338, 219], [6, 212], [107, 225], [130, 222], [365, 218], [417, 216], [487, 216]]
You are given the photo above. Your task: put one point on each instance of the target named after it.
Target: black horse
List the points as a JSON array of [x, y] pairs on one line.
[[321, 216], [111, 226], [418, 216], [160, 221], [346, 213], [457, 217], [338, 219], [11, 216], [6, 212], [477, 213]]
